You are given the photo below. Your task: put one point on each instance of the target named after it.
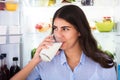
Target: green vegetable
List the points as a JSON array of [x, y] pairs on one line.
[[33, 52]]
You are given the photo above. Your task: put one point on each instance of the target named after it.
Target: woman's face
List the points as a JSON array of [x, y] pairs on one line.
[[66, 33]]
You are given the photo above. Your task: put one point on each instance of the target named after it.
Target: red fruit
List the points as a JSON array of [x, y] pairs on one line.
[[38, 26]]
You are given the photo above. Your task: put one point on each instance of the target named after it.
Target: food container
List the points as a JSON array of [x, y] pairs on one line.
[[36, 3], [11, 5], [2, 5], [104, 26]]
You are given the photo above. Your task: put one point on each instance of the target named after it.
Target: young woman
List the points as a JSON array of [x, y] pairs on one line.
[[79, 58]]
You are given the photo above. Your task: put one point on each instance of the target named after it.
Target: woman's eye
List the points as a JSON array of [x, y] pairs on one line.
[[65, 28], [54, 28]]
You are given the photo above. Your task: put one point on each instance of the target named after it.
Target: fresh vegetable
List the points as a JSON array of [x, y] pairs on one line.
[[33, 52]]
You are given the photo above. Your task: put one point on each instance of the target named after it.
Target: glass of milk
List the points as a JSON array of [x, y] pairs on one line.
[[49, 53]]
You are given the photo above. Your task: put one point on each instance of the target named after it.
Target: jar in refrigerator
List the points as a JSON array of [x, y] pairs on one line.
[[87, 2], [51, 2], [11, 5]]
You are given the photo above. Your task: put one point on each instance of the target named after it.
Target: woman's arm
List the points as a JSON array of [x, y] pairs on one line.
[[23, 74]]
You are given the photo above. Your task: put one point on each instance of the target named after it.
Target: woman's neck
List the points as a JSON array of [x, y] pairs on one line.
[[73, 57]]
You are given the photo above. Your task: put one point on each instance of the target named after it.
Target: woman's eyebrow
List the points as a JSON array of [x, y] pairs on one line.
[[66, 27], [62, 26]]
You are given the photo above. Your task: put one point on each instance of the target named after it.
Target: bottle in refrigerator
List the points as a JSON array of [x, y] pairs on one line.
[[15, 67], [3, 76], [1, 73], [5, 68]]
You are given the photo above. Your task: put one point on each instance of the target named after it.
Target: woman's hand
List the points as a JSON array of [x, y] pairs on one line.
[[35, 60], [48, 41]]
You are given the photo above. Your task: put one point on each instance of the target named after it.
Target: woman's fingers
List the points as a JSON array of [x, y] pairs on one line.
[[48, 41]]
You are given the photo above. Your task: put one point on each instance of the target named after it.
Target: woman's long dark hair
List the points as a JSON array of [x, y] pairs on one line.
[[74, 15]]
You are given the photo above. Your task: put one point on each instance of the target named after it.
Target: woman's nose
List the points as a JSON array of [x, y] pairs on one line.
[[58, 35]]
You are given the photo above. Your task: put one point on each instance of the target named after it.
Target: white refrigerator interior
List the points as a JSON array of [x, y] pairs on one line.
[[18, 33], [31, 37], [34, 15], [10, 33]]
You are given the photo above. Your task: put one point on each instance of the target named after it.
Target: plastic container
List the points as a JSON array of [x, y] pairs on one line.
[[2, 5], [104, 26], [37, 3], [11, 6]]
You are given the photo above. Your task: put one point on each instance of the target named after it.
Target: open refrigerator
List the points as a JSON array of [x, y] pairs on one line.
[[10, 31], [19, 33]]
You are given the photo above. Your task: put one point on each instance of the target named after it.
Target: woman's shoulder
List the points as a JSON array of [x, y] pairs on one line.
[[89, 61]]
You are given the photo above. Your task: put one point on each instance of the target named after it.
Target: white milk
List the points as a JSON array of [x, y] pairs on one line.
[[48, 54]]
